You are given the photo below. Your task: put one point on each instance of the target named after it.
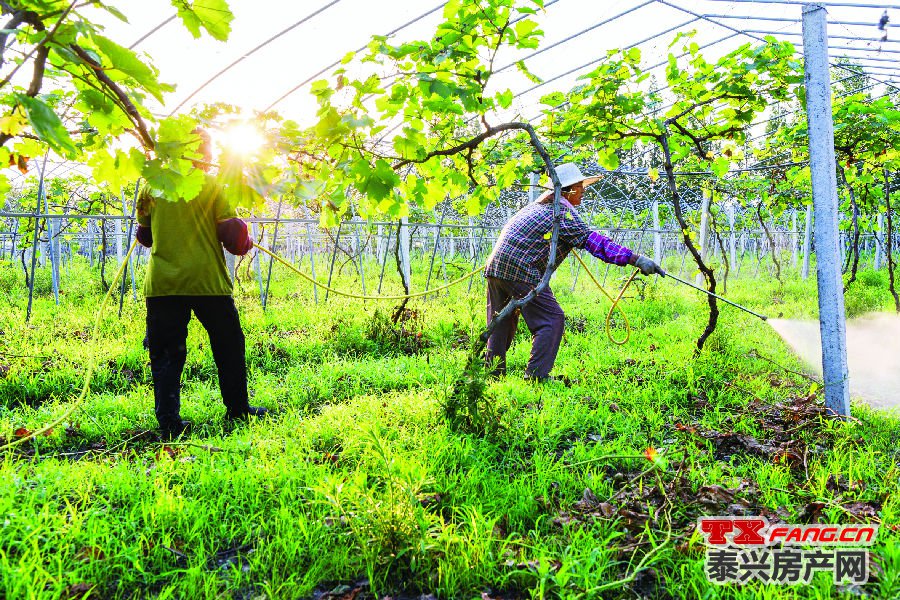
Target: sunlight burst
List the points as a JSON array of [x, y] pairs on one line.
[[241, 138]]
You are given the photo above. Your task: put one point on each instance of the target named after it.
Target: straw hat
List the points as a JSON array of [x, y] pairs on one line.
[[570, 174]]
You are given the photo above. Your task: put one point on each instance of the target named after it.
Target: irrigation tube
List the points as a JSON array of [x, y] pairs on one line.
[[364, 296], [92, 363], [615, 303]]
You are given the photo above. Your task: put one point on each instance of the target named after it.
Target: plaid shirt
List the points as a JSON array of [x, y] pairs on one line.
[[523, 247]]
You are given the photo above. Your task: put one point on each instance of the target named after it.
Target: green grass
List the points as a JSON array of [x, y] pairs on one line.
[[357, 480]]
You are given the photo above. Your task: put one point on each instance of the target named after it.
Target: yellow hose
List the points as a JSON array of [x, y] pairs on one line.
[[615, 303], [361, 296], [92, 363]]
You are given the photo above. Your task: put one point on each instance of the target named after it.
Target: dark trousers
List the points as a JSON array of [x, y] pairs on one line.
[[543, 315], [167, 326]]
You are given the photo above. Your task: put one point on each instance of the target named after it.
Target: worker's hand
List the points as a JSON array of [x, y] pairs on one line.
[[648, 267]]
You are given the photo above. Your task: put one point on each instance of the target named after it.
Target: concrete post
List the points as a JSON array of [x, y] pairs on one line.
[[357, 246], [879, 241], [380, 243], [795, 240], [254, 230], [807, 242], [533, 190], [657, 236], [120, 251], [404, 251], [824, 186], [52, 246], [312, 263], [230, 263], [732, 241]]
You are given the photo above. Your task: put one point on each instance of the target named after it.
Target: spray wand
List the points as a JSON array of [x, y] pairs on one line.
[[689, 284]]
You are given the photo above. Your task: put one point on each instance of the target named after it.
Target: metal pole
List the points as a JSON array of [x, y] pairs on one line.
[[824, 185]]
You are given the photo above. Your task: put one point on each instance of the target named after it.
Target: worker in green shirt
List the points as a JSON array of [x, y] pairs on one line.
[[187, 273]]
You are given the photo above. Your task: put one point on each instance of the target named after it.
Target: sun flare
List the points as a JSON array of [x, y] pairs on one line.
[[241, 138]]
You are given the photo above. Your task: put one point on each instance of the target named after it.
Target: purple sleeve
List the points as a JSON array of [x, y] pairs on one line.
[[233, 235], [144, 236], [607, 250]]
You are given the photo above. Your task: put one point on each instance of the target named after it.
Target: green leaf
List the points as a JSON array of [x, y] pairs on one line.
[[451, 9], [525, 27], [720, 166], [172, 184], [310, 190], [433, 194], [522, 68], [47, 125], [128, 62], [114, 12], [506, 175], [212, 15], [176, 138], [504, 99], [608, 160], [117, 170]]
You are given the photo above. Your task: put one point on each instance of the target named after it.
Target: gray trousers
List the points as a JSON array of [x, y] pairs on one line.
[[543, 315]]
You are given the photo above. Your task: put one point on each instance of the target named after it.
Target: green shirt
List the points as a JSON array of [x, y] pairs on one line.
[[187, 258]]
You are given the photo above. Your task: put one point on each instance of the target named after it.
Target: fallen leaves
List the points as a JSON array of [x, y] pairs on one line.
[[80, 591], [779, 422]]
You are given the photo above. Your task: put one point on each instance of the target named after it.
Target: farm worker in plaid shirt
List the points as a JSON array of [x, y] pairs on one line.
[[517, 264], [187, 273]]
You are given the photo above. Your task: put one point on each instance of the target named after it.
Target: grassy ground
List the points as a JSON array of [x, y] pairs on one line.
[[357, 486]]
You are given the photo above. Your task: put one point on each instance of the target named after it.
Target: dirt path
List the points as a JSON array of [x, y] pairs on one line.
[[873, 354]]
